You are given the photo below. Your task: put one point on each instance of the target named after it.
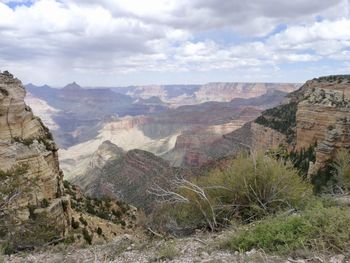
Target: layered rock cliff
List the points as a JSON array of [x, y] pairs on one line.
[[316, 114], [323, 117], [36, 206], [28, 163]]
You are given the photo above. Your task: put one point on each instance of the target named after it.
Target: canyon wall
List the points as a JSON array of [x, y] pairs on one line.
[[27, 151]]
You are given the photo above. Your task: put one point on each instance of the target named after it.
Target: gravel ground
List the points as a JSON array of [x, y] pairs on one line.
[[126, 249]]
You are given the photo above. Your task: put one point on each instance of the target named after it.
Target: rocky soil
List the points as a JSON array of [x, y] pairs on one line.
[[128, 249]]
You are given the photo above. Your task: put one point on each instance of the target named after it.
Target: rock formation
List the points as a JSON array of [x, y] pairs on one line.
[[318, 113], [28, 163], [123, 175], [323, 117], [36, 206]]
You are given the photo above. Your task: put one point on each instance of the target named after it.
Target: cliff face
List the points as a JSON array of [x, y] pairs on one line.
[[318, 113], [230, 91], [323, 117], [27, 145]]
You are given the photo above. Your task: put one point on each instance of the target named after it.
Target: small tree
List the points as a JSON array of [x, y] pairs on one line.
[[341, 166]]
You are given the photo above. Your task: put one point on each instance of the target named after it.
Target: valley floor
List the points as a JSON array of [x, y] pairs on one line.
[[127, 249]]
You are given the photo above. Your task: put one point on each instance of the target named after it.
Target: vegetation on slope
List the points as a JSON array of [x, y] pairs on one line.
[[281, 118], [106, 208], [319, 228], [251, 188], [14, 234], [268, 204]]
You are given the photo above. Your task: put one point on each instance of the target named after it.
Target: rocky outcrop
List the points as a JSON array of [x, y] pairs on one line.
[[323, 117], [87, 178], [321, 109], [318, 113], [28, 162], [126, 176]]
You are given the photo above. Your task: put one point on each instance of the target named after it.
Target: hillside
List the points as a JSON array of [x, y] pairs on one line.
[[126, 176]]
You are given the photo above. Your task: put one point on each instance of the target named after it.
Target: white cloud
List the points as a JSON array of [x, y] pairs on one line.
[[75, 37]]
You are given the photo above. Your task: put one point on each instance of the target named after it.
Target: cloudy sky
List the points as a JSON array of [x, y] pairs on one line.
[[123, 42]]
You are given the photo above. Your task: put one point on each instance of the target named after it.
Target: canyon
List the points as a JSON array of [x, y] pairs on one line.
[[171, 121], [114, 166]]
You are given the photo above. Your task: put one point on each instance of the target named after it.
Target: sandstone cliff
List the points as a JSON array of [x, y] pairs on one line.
[[28, 164], [323, 117], [36, 206], [317, 114]]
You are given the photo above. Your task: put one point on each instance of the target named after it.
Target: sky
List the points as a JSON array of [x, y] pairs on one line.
[[139, 42]]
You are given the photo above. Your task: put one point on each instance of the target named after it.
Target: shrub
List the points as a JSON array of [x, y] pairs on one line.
[[281, 118], [66, 184], [99, 231], [250, 188], [319, 228], [168, 252], [32, 214], [75, 224], [32, 234], [69, 240], [87, 236], [342, 170], [83, 221], [4, 92], [45, 203], [8, 249], [117, 214], [281, 234]]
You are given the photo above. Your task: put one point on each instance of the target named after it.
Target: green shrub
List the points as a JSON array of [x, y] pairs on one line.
[[69, 240], [87, 236], [4, 92], [331, 225], [83, 221], [117, 214], [45, 203], [250, 188], [66, 184], [281, 234], [168, 252], [342, 169], [8, 249], [32, 214], [281, 118], [319, 228], [99, 231], [75, 224], [32, 233]]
